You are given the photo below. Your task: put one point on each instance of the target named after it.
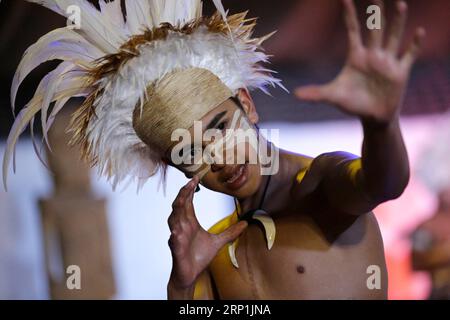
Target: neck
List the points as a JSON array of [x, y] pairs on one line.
[[276, 189]]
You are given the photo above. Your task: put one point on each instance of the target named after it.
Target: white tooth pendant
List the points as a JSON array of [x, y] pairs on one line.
[[269, 229], [232, 253], [268, 224]]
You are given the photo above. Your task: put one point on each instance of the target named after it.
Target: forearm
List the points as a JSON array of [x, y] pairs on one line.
[[385, 165]]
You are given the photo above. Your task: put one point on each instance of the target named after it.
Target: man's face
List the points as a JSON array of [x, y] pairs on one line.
[[237, 171]]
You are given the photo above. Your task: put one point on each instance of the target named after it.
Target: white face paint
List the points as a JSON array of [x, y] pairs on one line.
[[240, 144], [236, 136]]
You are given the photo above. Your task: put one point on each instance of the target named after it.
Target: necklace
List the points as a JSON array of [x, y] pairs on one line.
[[248, 215], [258, 215]]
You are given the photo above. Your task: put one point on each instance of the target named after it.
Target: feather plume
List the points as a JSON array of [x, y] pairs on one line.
[[111, 61], [60, 44], [112, 11], [221, 9], [96, 27], [69, 88], [138, 15]]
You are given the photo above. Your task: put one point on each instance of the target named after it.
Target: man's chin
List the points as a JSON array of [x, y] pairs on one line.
[[245, 192]]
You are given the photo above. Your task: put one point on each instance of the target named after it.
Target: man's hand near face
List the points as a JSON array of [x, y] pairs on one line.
[[192, 247]]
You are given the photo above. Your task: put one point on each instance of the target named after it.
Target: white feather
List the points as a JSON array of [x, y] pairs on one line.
[[138, 15], [64, 72], [53, 5], [174, 11], [120, 153], [35, 147], [112, 10], [68, 88], [221, 9], [113, 134], [62, 44], [95, 26]]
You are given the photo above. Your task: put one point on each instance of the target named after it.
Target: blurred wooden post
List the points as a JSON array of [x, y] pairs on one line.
[[75, 224]]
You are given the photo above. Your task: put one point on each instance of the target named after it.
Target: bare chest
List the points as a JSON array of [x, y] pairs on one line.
[[306, 262]]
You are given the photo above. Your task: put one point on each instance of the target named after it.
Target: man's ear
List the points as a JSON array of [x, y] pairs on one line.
[[248, 105]]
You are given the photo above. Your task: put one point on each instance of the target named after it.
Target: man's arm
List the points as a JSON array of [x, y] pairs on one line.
[[204, 287], [370, 86], [201, 290], [357, 185]]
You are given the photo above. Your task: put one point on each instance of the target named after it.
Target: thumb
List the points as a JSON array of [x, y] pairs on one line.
[[314, 93], [230, 234]]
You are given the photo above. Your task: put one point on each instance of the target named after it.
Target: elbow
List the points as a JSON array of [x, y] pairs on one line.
[[400, 186], [392, 189]]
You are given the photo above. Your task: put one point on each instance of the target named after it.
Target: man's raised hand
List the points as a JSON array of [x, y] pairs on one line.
[[372, 82], [193, 248]]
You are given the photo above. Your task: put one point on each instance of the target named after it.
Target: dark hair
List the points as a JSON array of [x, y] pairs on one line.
[[237, 101]]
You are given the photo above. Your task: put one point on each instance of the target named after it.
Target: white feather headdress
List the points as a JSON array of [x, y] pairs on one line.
[[111, 59]]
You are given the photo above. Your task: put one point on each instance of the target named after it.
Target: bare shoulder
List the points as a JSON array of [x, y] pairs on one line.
[[313, 170], [300, 160]]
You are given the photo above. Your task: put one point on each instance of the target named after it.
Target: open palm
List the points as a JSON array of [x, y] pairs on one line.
[[373, 80]]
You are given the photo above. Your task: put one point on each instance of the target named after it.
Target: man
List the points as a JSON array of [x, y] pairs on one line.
[[327, 235], [151, 79]]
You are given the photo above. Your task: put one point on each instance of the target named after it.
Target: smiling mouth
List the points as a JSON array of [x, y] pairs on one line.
[[238, 178], [236, 175]]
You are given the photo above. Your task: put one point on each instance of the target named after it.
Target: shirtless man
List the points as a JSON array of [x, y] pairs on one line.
[[163, 68], [327, 235]]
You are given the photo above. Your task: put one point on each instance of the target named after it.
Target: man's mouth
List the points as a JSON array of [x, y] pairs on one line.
[[237, 177]]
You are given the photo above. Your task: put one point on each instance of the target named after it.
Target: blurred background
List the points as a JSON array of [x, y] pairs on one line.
[[53, 218]]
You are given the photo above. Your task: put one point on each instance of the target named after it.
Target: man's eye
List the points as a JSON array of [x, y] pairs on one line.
[[195, 152], [187, 152], [222, 125]]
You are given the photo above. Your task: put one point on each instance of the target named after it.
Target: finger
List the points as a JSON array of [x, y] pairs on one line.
[[179, 206], [414, 48], [176, 244], [189, 205], [181, 199], [314, 93], [177, 220], [195, 181], [171, 221], [352, 23], [230, 234], [398, 26], [376, 35]]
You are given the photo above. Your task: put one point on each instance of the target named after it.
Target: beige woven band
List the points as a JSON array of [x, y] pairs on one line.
[[175, 102]]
